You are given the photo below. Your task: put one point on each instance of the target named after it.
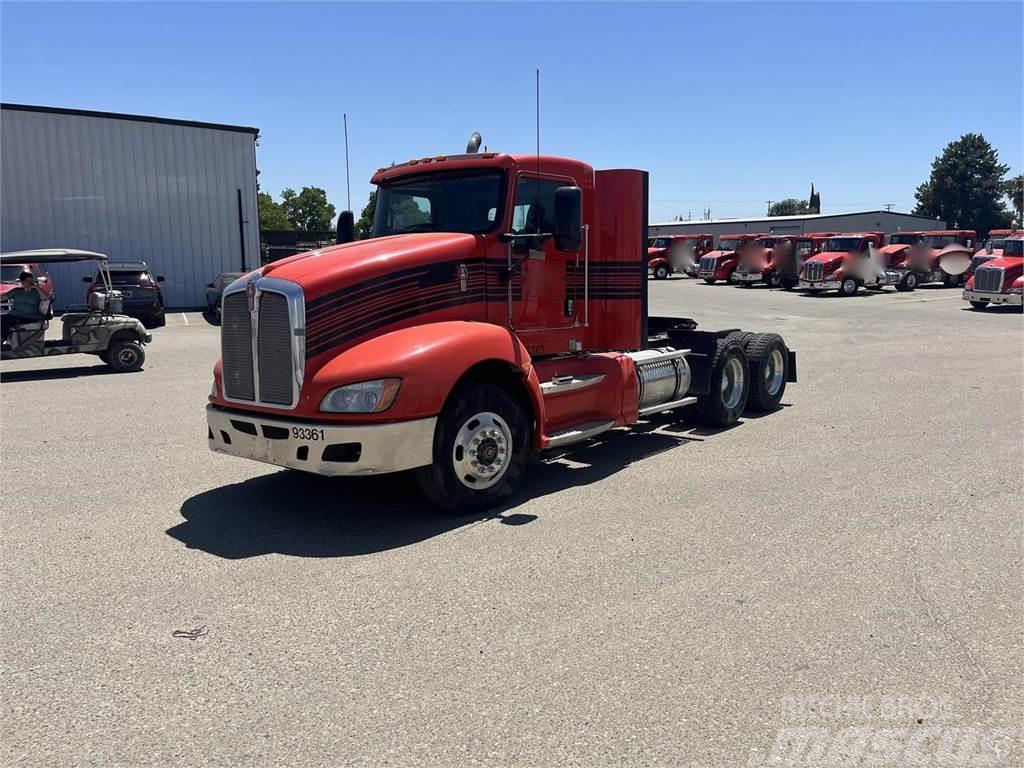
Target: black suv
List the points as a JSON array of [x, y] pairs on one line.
[[139, 288]]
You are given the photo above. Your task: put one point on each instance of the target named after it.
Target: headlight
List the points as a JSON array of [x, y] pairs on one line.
[[364, 397], [213, 389]]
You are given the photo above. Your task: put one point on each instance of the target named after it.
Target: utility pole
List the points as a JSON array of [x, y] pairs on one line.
[[770, 207], [889, 206]]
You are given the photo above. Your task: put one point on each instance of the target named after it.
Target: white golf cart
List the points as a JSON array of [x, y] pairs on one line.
[[101, 330]]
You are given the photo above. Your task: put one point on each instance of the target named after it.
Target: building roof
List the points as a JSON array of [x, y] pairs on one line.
[[798, 217], [136, 118]]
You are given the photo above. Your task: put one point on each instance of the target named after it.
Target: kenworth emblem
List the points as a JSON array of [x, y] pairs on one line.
[[250, 295], [463, 278]]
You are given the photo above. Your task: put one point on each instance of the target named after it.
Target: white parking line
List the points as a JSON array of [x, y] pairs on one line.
[[184, 317]]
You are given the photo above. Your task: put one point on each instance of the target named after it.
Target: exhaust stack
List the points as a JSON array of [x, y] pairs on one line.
[[474, 143]]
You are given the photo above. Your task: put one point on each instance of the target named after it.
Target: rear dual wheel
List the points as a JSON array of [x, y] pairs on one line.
[[727, 397], [768, 366]]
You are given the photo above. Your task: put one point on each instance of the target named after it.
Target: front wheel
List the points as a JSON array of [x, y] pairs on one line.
[[727, 396], [126, 356], [660, 272], [908, 283], [774, 280], [979, 304], [481, 446]]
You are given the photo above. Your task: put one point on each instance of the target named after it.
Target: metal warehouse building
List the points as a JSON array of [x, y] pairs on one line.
[[177, 194], [856, 221]]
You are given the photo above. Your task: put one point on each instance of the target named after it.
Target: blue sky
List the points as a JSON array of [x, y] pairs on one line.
[[727, 104]]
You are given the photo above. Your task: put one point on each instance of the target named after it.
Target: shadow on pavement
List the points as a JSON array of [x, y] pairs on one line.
[[50, 374], [295, 513]]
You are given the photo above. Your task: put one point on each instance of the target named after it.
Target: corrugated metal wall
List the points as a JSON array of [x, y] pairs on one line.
[[138, 191], [873, 221]]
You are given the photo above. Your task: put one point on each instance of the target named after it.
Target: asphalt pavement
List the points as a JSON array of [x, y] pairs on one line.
[[667, 596]]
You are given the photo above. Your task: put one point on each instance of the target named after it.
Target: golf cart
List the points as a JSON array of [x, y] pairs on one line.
[[101, 330]]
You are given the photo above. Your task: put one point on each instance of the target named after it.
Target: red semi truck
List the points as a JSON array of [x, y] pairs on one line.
[[721, 263], [999, 280], [675, 253], [993, 249], [922, 258], [764, 260], [499, 309], [849, 261]]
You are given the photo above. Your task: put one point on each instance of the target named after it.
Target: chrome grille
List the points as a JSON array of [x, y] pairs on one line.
[[814, 271], [707, 264], [236, 347], [989, 279], [274, 346]]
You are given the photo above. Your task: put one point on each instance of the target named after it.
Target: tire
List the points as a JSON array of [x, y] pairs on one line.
[[788, 284], [660, 272], [501, 422], [709, 280], [155, 321], [979, 304], [723, 405], [768, 362], [125, 356], [741, 337], [908, 283], [848, 287], [951, 281], [774, 281]]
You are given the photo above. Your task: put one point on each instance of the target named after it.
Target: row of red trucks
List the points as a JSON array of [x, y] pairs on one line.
[[825, 261]]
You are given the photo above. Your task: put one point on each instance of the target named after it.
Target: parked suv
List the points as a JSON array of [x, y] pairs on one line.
[[213, 294], [140, 291]]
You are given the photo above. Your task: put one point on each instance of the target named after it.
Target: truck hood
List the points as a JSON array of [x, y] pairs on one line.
[[1013, 265], [828, 258], [655, 252], [5, 287], [720, 254], [328, 270]]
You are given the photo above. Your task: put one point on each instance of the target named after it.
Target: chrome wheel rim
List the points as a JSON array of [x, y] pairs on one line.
[[849, 286], [774, 370], [483, 447], [732, 383]]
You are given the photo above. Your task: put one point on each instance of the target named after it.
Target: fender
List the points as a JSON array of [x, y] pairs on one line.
[[430, 359]]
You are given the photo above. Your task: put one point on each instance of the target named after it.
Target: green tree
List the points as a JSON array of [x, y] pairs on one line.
[[365, 223], [814, 201], [1015, 191], [271, 214], [789, 207], [308, 210], [966, 186]]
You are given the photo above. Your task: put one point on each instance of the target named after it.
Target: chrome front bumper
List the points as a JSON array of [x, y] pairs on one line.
[[747, 277], [324, 449], [819, 285], [1013, 299]]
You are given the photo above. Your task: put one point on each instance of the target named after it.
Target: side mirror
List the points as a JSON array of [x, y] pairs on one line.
[[346, 227], [86, 279], [568, 218], [159, 278]]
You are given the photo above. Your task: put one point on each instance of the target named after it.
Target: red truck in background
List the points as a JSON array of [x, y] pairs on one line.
[[922, 260], [676, 253], [999, 280], [764, 260], [10, 280], [993, 249], [499, 309], [720, 263], [849, 261], [896, 245]]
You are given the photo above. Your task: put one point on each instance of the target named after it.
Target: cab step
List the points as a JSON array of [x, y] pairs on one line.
[[578, 433]]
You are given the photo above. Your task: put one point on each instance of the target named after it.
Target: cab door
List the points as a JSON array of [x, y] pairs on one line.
[[542, 303]]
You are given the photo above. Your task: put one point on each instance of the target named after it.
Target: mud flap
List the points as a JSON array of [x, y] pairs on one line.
[[791, 368]]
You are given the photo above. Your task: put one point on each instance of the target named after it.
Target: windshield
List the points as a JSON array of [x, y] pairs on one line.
[[940, 241], [998, 243], [456, 201], [903, 239], [728, 245], [767, 242], [11, 272], [844, 244], [131, 277], [661, 242], [1013, 248]]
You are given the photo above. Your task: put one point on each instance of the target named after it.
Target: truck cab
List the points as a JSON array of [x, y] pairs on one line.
[[765, 260], [999, 280], [992, 249], [924, 257], [667, 254], [499, 309], [848, 262], [721, 263], [896, 246]]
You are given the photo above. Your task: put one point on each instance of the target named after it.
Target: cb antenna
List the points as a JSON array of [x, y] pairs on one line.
[[348, 185], [537, 201]]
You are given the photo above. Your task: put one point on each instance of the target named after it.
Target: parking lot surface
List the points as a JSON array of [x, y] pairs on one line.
[[667, 596]]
